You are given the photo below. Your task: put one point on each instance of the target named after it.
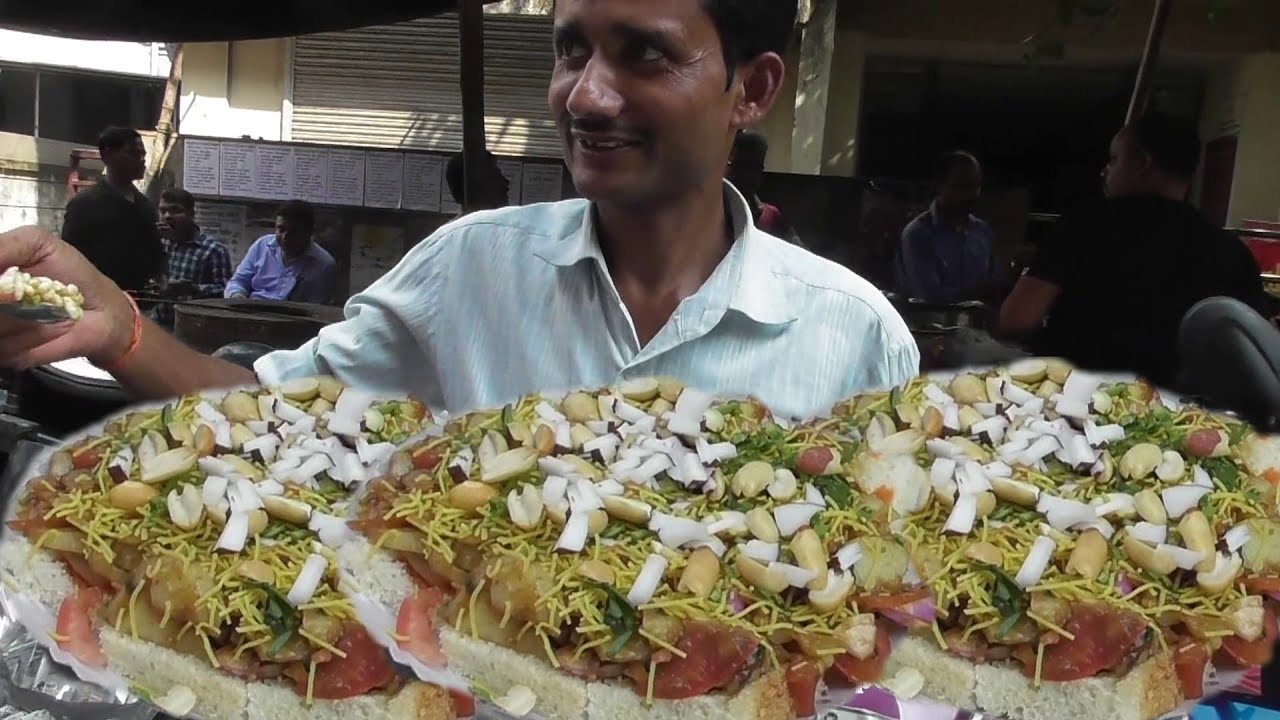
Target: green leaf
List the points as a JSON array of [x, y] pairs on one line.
[[820, 525], [836, 489], [1223, 470], [280, 616], [1007, 598], [620, 616]]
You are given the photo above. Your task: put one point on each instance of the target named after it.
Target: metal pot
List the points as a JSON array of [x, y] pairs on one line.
[[65, 396]]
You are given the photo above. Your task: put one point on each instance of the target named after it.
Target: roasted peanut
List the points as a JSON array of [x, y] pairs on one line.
[[758, 575], [701, 573], [1197, 536], [131, 495], [984, 552], [761, 524], [471, 496], [751, 479], [627, 509], [1140, 461], [596, 570], [807, 548], [1089, 555], [257, 571], [1150, 507]]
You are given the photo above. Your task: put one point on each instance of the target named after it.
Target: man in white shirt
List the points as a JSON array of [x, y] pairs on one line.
[[658, 271]]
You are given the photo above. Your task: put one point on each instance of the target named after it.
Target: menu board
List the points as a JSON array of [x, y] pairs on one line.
[[423, 182], [383, 179], [346, 177], [200, 171]]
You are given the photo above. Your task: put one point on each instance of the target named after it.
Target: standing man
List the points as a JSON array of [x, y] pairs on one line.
[[746, 171], [657, 270], [199, 266], [288, 264], [1110, 287], [489, 187], [945, 253], [113, 224]]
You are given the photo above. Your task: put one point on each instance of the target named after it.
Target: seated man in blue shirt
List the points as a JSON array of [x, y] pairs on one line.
[[945, 253], [288, 264]]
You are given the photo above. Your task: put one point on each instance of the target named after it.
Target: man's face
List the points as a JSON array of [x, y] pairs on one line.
[[292, 235], [129, 161], [638, 93], [961, 189], [1128, 168], [176, 216]]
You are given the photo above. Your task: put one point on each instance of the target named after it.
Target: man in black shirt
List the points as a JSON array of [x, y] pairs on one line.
[[111, 223], [1110, 287]]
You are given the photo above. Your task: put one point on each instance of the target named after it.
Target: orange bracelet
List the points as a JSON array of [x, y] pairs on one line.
[[134, 341]]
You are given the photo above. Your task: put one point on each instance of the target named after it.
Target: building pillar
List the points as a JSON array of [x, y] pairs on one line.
[[817, 47]]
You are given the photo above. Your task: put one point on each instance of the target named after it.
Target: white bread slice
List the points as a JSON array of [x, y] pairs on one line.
[[375, 573], [498, 669], [766, 698], [415, 701], [947, 678], [1148, 691], [36, 574], [158, 670]]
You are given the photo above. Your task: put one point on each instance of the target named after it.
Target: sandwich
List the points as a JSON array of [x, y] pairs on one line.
[[186, 554], [1087, 548], [639, 551]]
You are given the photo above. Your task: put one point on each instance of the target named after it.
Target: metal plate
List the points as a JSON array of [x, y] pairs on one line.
[[42, 314]]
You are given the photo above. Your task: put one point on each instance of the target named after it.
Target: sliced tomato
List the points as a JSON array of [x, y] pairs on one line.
[[875, 603], [1104, 636], [86, 458], [464, 705], [714, 654], [417, 628], [425, 458], [75, 626], [1243, 653], [852, 670], [802, 686], [1262, 585], [364, 668], [1189, 660]]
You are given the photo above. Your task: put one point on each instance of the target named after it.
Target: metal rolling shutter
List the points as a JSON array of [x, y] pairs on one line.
[[397, 86]]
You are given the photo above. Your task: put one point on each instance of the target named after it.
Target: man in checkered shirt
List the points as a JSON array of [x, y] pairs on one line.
[[199, 266]]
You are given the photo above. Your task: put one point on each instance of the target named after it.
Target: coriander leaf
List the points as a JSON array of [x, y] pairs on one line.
[[1007, 598], [1223, 470], [1237, 433], [280, 616], [835, 489], [820, 525], [620, 616]]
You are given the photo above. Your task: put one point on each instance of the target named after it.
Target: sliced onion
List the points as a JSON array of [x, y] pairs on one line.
[[1149, 533], [304, 586], [963, 514], [943, 449], [719, 452], [574, 536], [691, 404], [848, 555], [736, 603], [1182, 557], [1200, 478], [919, 612], [1237, 537], [796, 577], [647, 580], [793, 516], [1036, 563], [1062, 514], [1182, 498], [332, 531], [942, 471], [1124, 585], [234, 533]]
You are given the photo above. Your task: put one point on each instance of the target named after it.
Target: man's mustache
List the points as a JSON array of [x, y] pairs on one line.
[[597, 125]]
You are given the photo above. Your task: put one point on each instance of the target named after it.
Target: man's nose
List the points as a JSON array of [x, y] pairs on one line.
[[595, 94]]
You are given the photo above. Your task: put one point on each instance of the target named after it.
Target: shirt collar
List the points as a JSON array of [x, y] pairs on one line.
[[756, 290], [936, 218]]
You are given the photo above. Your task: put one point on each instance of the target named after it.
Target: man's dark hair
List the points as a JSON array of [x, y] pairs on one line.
[[1173, 144], [299, 211], [114, 138], [750, 145], [751, 28], [178, 196], [455, 170], [953, 159]]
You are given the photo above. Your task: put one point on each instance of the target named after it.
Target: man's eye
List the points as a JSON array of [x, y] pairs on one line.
[[644, 52], [567, 49]]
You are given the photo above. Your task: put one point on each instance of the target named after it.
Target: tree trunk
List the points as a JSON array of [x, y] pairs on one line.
[[165, 135]]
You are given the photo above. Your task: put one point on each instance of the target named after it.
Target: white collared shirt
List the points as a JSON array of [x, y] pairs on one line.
[[509, 302]]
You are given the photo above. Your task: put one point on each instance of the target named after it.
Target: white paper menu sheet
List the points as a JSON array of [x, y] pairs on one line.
[[274, 165], [346, 177], [541, 183], [238, 170], [200, 166], [311, 174], [383, 179], [423, 182]]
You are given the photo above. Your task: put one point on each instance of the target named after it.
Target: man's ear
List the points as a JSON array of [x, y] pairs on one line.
[[760, 82]]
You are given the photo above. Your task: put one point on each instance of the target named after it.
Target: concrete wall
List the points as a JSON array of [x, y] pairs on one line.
[[1242, 100], [121, 57], [235, 89]]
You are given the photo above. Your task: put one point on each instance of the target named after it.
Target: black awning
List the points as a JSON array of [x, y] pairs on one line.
[[219, 21]]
